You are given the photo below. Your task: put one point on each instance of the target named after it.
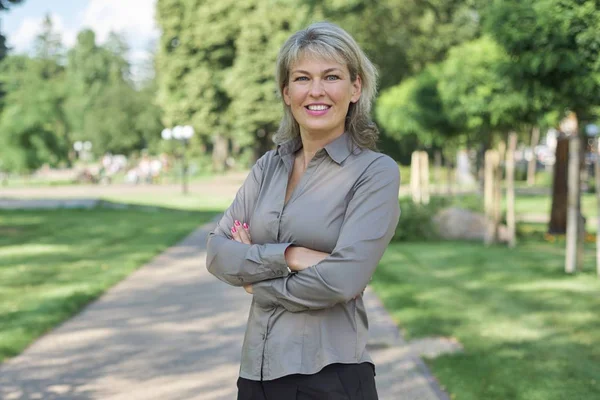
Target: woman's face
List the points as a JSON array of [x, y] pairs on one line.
[[319, 93]]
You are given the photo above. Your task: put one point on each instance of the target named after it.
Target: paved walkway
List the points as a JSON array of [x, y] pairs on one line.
[[172, 331]]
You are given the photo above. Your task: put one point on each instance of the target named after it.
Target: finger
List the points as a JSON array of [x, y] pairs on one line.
[[247, 229], [236, 234], [244, 235]]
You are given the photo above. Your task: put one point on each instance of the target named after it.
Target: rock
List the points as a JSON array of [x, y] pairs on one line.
[[455, 223]]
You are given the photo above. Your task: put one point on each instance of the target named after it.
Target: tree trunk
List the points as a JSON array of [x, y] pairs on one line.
[[492, 160], [220, 152], [438, 170], [531, 166], [597, 177], [424, 169], [558, 213], [415, 177], [573, 217], [510, 190]]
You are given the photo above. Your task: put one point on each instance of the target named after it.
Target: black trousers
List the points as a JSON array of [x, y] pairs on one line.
[[334, 382]]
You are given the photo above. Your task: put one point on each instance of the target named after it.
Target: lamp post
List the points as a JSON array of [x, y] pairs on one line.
[[183, 134]]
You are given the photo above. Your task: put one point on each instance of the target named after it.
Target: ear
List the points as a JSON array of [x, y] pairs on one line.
[[286, 95], [356, 89]]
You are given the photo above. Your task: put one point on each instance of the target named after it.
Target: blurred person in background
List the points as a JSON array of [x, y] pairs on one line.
[[309, 226]]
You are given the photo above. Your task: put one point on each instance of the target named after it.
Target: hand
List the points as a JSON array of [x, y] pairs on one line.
[[300, 258], [241, 233]]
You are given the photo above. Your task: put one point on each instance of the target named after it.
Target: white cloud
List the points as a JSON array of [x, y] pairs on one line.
[[22, 40], [132, 18]]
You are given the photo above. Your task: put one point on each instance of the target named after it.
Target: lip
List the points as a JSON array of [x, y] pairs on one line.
[[318, 113]]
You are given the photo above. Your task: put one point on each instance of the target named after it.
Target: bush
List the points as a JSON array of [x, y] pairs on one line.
[[416, 220]]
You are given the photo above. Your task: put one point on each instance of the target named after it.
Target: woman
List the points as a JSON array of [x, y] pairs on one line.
[[308, 227]]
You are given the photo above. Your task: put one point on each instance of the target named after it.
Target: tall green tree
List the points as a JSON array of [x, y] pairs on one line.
[[414, 107], [33, 124], [256, 108], [103, 106], [195, 54], [476, 95], [554, 45]]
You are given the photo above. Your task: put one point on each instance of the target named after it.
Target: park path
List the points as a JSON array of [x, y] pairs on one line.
[[172, 331]]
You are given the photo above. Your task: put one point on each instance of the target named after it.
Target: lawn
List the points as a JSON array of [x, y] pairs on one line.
[[176, 200], [529, 331], [52, 263]]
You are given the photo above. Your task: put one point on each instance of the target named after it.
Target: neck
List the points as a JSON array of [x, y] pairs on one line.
[[311, 143]]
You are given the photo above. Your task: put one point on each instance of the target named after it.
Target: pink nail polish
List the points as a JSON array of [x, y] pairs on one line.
[[233, 230], [245, 225], [237, 223]]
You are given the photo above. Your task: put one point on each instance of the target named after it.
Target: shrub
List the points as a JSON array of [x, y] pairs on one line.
[[416, 220]]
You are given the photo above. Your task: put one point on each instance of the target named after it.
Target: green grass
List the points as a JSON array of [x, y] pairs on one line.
[[175, 201], [52, 263], [530, 331], [542, 204]]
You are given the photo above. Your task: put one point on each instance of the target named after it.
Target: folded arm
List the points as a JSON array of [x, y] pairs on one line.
[[240, 263], [369, 224]]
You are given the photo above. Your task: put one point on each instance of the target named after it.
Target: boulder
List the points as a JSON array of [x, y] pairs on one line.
[[456, 223]]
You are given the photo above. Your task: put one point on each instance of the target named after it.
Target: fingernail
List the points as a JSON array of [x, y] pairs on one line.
[[233, 230], [237, 222], [245, 225]]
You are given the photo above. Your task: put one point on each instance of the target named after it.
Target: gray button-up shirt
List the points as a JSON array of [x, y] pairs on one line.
[[346, 204]]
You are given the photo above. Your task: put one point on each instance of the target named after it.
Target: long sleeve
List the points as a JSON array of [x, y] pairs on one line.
[[369, 224], [237, 263]]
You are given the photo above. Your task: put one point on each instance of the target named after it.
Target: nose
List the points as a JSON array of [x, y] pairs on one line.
[[316, 88]]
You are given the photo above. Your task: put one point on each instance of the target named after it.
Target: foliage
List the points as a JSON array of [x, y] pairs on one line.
[[256, 108], [475, 94], [403, 37], [416, 219], [33, 124], [196, 52], [414, 108], [553, 45]]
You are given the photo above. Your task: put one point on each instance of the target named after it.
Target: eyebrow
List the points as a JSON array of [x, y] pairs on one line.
[[328, 70]]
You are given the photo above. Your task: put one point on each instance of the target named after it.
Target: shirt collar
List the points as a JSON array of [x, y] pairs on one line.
[[338, 150]]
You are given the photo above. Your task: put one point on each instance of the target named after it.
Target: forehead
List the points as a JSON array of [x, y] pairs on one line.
[[311, 63]]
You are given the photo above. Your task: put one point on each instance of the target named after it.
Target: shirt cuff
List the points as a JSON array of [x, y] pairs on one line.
[[263, 295], [274, 257]]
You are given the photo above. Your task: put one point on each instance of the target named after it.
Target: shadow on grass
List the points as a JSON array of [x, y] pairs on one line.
[[57, 261], [522, 321]]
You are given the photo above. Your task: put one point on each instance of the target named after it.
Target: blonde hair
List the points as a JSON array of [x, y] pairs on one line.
[[328, 41]]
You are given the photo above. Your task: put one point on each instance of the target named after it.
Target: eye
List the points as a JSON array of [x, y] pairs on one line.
[[300, 78], [332, 77]]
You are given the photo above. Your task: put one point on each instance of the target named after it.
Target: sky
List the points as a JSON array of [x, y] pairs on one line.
[[133, 18]]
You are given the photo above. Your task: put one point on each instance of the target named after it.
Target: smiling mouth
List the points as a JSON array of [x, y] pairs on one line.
[[318, 107]]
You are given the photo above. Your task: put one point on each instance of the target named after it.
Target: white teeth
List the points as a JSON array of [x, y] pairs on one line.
[[318, 107]]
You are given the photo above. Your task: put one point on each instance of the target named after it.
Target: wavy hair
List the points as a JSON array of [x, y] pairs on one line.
[[328, 41]]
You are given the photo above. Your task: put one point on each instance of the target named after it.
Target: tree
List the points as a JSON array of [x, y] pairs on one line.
[[5, 6], [415, 108], [255, 107], [33, 125], [195, 54], [553, 44], [102, 104]]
